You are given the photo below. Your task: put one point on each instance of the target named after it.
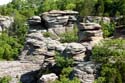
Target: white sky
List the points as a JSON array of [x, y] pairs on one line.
[[4, 1]]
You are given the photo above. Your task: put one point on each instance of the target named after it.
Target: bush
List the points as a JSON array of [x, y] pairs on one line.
[[108, 29], [62, 61], [9, 47], [109, 50], [5, 79], [47, 34], [69, 36], [64, 77], [111, 54]]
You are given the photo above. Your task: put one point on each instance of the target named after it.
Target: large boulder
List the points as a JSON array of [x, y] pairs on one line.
[[34, 20], [90, 32], [86, 71], [55, 18], [74, 49]]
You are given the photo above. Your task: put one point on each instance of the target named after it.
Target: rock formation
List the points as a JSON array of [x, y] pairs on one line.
[[90, 32], [5, 22], [40, 50]]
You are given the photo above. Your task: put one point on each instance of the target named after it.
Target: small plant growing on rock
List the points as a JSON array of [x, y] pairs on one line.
[[62, 61], [5, 79], [46, 34], [69, 36]]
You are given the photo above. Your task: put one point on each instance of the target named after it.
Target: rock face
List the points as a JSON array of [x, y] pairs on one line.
[[96, 19], [48, 78], [19, 70], [90, 32], [86, 71], [56, 17], [5, 22], [39, 51]]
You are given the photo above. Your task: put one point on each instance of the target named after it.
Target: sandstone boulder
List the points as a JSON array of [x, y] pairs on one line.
[[74, 49], [86, 71]]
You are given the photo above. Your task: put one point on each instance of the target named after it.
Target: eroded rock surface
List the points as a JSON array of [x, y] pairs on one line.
[[86, 71], [19, 71], [5, 22]]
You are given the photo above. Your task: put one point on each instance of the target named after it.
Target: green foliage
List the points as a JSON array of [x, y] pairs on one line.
[[110, 49], [5, 79], [9, 47], [111, 54], [100, 80], [62, 61], [46, 34], [64, 77], [108, 29], [69, 36]]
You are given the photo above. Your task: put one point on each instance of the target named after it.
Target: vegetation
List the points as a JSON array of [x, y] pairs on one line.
[[62, 61], [108, 29], [111, 54], [9, 47], [69, 36], [5, 79], [65, 63]]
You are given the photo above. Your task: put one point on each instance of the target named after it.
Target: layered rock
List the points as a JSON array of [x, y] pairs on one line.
[[41, 50], [86, 71], [75, 50], [90, 32], [96, 19], [5, 22], [19, 71]]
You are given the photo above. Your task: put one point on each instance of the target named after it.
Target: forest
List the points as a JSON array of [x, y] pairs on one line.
[[12, 40]]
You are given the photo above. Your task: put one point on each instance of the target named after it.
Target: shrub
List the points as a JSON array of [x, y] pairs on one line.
[[108, 29], [111, 54], [62, 61], [47, 34], [110, 49], [69, 36], [64, 77], [5, 79]]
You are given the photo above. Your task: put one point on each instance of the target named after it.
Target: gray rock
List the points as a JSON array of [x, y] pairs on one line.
[[86, 71], [35, 20], [89, 26], [74, 49], [6, 22]]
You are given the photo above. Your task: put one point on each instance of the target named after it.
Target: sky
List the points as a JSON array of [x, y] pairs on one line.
[[2, 2]]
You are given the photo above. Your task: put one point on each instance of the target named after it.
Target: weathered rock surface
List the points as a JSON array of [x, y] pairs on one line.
[[19, 70], [86, 71], [48, 78], [90, 32], [96, 19], [5, 22]]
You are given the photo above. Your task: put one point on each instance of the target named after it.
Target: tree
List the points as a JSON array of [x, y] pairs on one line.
[[99, 8]]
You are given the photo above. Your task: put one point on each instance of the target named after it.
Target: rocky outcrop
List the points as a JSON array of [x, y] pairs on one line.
[[41, 50], [86, 71], [5, 22], [75, 50], [96, 19], [90, 32], [55, 18], [19, 71]]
